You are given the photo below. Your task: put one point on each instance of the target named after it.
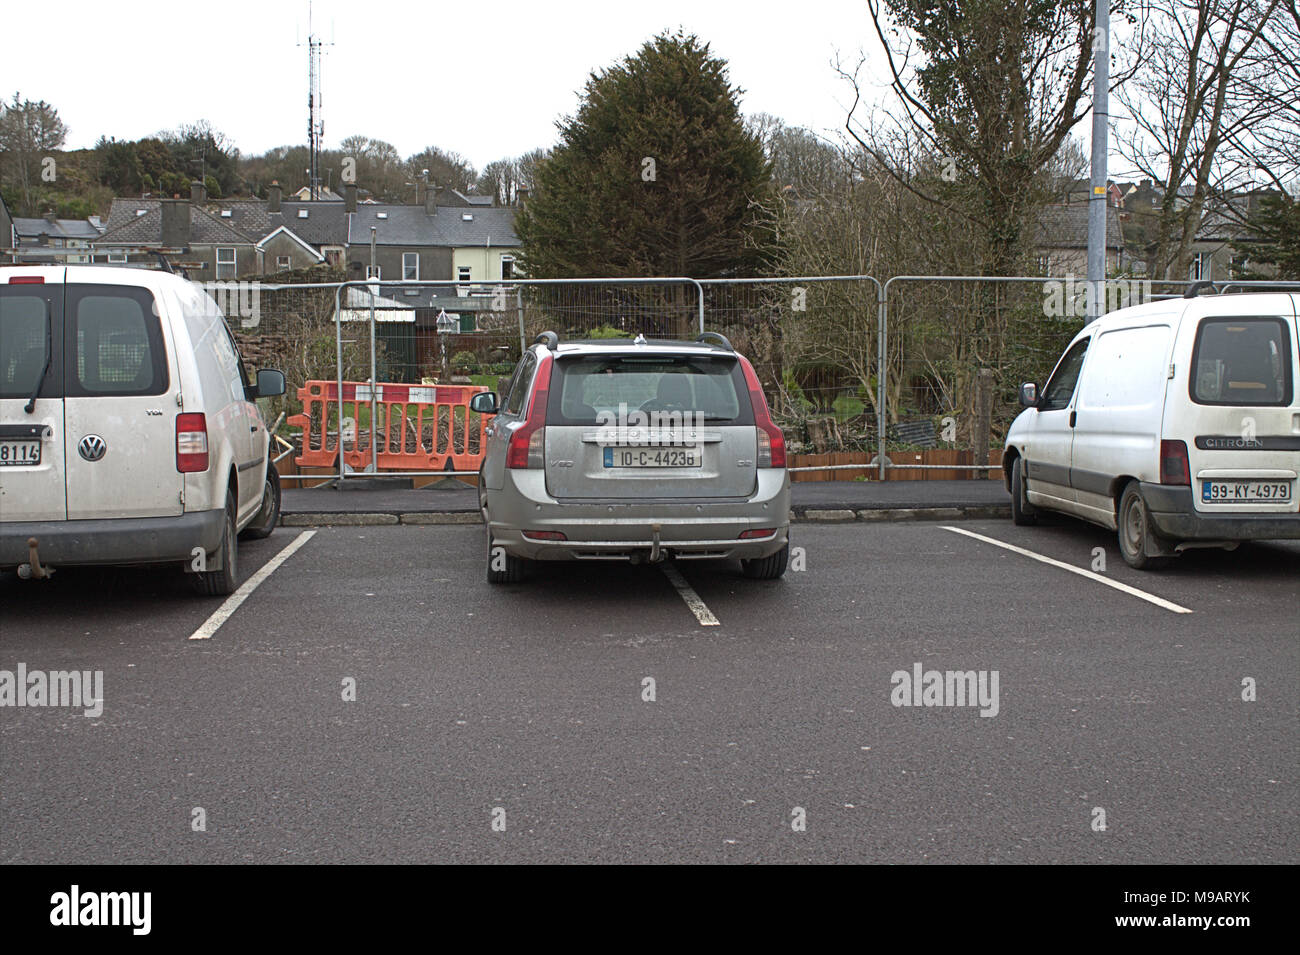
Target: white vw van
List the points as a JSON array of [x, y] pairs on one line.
[[129, 433], [1176, 423]]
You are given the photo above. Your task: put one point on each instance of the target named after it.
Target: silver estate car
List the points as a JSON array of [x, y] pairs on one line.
[[635, 450]]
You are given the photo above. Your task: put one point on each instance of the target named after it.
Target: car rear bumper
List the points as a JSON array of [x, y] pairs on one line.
[[636, 530], [125, 540], [1174, 515]]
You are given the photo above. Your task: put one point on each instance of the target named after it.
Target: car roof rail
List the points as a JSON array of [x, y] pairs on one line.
[[1195, 288], [715, 336], [549, 339]]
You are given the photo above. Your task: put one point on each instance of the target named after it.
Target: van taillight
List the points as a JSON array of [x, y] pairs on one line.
[[191, 443], [528, 443], [1174, 466], [771, 442]]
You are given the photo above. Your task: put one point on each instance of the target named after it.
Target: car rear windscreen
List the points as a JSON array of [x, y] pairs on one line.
[[602, 389], [1242, 361]]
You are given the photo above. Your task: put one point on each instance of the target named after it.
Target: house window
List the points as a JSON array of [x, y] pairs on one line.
[[225, 264], [1200, 269], [282, 263], [372, 271], [507, 267], [410, 266], [117, 258], [302, 213], [463, 274], [1044, 264]]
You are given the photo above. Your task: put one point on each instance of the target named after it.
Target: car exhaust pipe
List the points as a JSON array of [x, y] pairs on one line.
[[33, 569], [656, 554]]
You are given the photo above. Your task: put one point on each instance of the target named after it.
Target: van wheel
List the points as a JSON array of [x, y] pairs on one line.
[[502, 567], [770, 567], [1135, 530], [1022, 512], [269, 516], [221, 583]]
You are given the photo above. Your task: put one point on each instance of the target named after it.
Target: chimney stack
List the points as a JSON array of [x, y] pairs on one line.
[[273, 198], [521, 196], [51, 216], [198, 193], [431, 200], [350, 197], [175, 224]]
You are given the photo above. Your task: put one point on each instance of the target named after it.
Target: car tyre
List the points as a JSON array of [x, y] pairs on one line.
[[269, 516], [1023, 513], [221, 583], [770, 567], [503, 567], [1135, 530]]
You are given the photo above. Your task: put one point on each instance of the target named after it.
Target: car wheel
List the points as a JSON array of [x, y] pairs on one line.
[[1135, 530], [767, 568], [221, 583], [1022, 512], [269, 516], [502, 567]]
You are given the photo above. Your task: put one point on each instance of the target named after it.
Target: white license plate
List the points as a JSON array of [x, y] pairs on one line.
[[653, 457], [1245, 492], [19, 453]]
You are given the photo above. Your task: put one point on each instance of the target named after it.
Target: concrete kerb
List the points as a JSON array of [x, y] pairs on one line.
[[802, 515]]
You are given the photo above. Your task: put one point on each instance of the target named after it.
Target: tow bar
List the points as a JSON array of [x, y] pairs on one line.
[[655, 555], [33, 570]]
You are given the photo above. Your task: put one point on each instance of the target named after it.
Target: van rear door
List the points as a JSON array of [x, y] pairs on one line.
[[32, 476], [1243, 429], [120, 387]]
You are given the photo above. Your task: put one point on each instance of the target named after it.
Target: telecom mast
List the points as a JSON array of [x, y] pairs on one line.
[[315, 125]]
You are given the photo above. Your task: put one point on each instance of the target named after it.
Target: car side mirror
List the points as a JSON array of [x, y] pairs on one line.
[[1028, 395], [269, 383], [485, 402]]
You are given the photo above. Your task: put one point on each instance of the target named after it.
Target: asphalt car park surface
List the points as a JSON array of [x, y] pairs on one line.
[[530, 699]]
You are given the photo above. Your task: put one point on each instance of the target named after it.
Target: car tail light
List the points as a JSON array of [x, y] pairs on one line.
[[1174, 466], [191, 443], [528, 443], [771, 442], [544, 535], [26, 280], [757, 533]]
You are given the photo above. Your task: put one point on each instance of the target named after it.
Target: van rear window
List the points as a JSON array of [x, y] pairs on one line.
[[1242, 361], [601, 389], [116, 343], [24, 326]]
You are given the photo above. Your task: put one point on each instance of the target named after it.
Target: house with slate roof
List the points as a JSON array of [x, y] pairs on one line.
[[51, 232], [1061, 240]]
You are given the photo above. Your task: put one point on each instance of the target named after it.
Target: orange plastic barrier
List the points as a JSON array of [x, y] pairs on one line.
[[417, 427]]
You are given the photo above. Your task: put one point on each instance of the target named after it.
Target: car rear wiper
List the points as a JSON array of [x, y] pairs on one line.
[[49, 357]]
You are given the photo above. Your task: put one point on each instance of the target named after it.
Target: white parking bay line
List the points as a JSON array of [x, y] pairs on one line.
[[702, 613], [1141, 595], [223, 613]]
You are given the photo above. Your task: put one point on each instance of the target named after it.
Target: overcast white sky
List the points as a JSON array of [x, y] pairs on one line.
[[486, 80]]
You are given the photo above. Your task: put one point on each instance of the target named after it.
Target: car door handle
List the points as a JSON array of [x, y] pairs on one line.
[[1072, 414], [254, 428]]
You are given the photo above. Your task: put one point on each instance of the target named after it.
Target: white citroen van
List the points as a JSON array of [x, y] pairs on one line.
[[1175, 423], [129, 433]]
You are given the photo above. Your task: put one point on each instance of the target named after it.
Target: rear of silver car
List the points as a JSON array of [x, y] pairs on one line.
[[636, 452]]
